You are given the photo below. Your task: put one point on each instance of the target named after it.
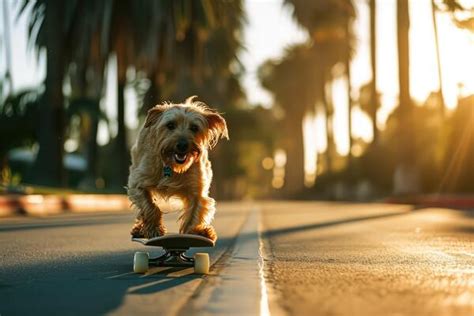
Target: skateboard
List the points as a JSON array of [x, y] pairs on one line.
[[175, 247]]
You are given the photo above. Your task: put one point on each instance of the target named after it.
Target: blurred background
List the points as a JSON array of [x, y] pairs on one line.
[[324, 99]]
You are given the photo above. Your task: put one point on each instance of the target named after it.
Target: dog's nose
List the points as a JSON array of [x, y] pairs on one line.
[[182, 146]]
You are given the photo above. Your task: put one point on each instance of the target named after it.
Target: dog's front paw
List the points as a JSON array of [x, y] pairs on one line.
[[155, 231], [137, 229], [205, 231]]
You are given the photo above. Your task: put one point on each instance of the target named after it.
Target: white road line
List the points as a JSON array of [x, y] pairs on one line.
[[239, 287], [268, 298]]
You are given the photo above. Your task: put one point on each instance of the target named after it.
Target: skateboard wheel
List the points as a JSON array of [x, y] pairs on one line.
[[201, 263], [140, 262]]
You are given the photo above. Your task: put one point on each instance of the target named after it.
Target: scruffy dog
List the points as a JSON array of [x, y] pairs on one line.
[[170, 159]]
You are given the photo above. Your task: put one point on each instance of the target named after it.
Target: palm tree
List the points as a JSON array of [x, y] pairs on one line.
[[171, 45], [374, 102], [466, 20], [75, 43], [329, 24], [48, 17], [403, 22], [300, 80], [406, 175], [347, 63], [162, 37], [296, 85], [87, 56], [80, 45], [438, 59], [212, 78]]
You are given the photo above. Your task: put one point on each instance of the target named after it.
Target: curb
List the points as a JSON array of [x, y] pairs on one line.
[[43, 205]]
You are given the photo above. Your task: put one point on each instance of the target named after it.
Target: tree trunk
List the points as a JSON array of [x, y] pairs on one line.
[[92, 149], [349, 88], [438, 60], [88, 90], [406, 179], [48, 167], [373, 62], [328, 106], [294, 169]]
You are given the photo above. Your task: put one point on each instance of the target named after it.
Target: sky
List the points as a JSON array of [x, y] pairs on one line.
[[271, 28]]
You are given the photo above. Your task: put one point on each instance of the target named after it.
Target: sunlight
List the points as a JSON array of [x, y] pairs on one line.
[[341, 131], [279, 170], [454, 170], [310, 149], [270, 28], [267, 163], [320, 132], [361, 125], [456, 51]]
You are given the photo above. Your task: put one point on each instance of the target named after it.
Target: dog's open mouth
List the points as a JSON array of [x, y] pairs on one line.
[[180, 158]]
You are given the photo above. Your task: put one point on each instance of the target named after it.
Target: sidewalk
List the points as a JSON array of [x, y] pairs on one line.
[[435, 200], [42, 205]]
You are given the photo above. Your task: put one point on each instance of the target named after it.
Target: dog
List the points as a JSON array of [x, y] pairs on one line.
[[170, 159]]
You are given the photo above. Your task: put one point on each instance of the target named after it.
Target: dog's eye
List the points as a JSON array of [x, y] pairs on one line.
[[194, 128], [171, 126]]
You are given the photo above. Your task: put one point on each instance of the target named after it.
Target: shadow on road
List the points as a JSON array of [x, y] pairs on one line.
[[162, 280], [245, 237], [95, 285], [289, 230]]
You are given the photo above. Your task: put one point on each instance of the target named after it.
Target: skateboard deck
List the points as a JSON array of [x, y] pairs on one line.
[[175, 246], [176, 241]]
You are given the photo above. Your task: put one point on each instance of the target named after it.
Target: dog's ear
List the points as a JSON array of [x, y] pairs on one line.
[[217, 127], [154, 114]]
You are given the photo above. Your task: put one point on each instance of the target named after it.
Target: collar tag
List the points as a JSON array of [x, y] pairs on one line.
[[167, 171]]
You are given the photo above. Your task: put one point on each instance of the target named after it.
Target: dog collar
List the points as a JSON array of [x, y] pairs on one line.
[[167, 171]]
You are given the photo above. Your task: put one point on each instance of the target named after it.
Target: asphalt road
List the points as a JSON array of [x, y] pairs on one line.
[[359, 259], [287, 258]]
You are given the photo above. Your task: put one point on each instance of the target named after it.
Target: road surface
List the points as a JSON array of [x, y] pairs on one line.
[[283, 258]]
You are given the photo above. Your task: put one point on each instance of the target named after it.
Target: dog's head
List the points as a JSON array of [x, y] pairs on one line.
[[184, 130]]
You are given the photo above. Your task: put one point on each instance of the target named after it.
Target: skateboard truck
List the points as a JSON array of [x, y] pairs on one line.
[[172, 258]]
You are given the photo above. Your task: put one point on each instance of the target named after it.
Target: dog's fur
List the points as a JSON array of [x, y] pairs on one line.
[[160, 144]]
